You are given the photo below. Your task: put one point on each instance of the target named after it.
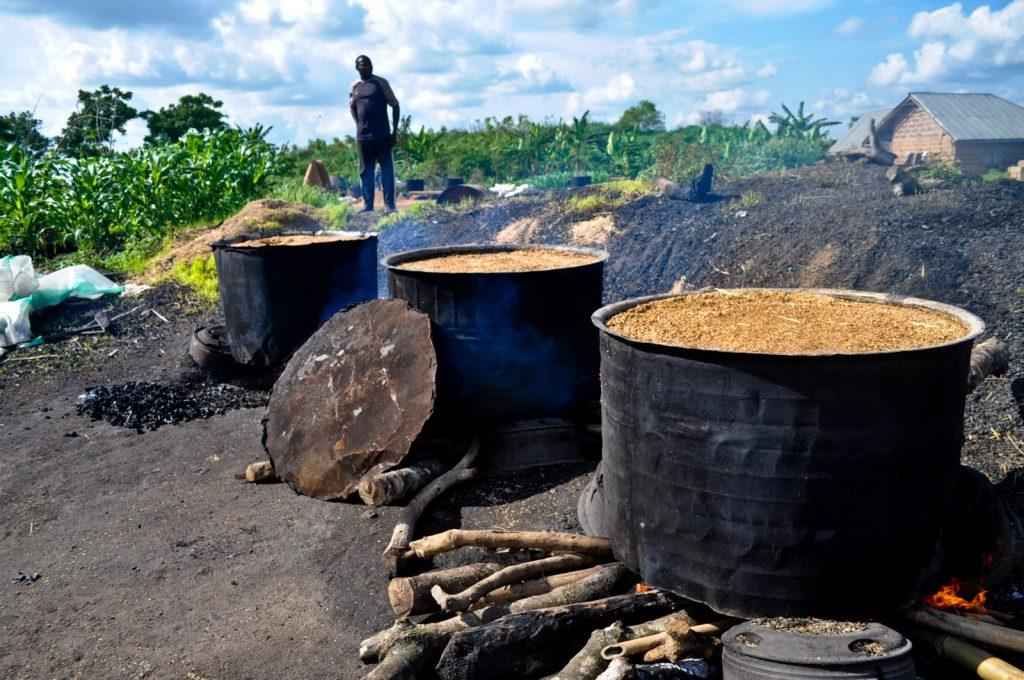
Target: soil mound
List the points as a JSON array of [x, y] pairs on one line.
[[265, 216], [527, 260], [785, 322]]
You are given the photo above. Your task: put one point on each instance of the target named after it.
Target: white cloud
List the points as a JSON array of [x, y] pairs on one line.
[[850, 27], [841, 103], [620, 88], [958, 47]]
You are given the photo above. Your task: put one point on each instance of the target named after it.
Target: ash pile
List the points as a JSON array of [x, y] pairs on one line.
[[779, 492]]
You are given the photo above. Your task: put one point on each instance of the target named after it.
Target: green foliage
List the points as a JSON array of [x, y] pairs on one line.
[[200, 276], [336, 215], [994, 175], [100, 113], [100, 205], [339, 156], [22, 129], [605, 197], [293, 190], [799, 125], [414, 211], [947, 172], [191, 112], [644, 117], [560, 179], [748, 200]]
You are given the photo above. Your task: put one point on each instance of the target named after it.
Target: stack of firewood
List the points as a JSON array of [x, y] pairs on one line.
[[545, 603]]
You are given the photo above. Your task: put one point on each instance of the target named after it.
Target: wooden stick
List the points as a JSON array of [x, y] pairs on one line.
[[397, 555], [388, 487], [986, 633], [541, 641], [517, 592], [618, 669], [645, 644], [682, 642], [517, 573], [610, 579], [588, 664], [410, 595], [970, 658], [548, 541]]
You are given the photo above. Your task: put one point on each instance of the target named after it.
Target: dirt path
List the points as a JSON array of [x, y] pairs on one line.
[[155, 562]]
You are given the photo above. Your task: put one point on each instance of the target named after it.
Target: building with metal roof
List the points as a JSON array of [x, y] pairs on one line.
[[974, 130], [857, 134]]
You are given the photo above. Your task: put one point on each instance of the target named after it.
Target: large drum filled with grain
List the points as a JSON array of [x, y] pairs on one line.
[[511, 327], [782, 452], [276, 290]]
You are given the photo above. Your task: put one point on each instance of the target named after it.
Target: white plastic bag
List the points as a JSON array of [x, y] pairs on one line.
[[17, 277], [76, 281], [14, 324]]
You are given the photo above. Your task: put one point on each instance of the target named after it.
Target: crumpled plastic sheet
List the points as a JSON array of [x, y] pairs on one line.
[[20, 296], [509, 190]]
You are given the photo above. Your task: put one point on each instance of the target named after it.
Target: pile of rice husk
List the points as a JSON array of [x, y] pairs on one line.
[[525, 260], [767, 321], [296, 240], [265, 216]]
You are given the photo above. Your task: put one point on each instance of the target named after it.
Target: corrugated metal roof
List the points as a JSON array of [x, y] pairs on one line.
[[971, 116], [858, 132]]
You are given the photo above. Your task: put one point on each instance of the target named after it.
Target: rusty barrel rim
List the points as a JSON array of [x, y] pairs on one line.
[[975, 325], [395, 261], [230, 243]]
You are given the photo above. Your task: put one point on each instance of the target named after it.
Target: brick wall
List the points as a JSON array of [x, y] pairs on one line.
[[977, 157], [917, 132]]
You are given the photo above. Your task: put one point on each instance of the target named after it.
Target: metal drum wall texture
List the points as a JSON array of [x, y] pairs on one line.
[[768, 485], [510, 346], [275, 297]]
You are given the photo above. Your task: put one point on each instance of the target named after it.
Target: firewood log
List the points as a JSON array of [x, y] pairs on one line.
[[460, 601], [985, 633], [541, 641], [261, 471], [618, 669], [991, 357], [547, 541], [644, 644], [610, 580], [397, 555], [970, 658], [588, 662], [388, 487], [539, 586], [410, 595]]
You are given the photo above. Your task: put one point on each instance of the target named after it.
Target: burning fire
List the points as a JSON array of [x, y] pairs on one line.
[[643, 588], [953, 597]]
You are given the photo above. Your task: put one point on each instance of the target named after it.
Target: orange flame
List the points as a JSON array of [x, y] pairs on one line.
[[642, 588], [952, 596]]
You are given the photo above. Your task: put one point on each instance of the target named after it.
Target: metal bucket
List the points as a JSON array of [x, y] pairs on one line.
[[510, 346], [781, 485], [275, 297]]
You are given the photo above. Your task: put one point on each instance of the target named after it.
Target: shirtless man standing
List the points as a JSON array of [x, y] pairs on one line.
[[368, 99]]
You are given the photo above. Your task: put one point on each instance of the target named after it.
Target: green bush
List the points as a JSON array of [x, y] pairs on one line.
[[994, 175], [947, 172]]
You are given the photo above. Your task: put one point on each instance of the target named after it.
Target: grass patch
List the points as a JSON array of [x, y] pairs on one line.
[[994, 175], [607, 197], [199, 276], [414, 211], [748, 200], [336, 215], [947, 172], [295, 191]]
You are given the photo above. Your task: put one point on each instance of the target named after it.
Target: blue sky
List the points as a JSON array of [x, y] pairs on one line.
[[288, 63]]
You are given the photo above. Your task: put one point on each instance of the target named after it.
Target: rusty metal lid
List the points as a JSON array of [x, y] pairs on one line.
[[353, 399]]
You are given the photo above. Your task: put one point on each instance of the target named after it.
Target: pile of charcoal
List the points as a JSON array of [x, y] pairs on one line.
[[147, 405]]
